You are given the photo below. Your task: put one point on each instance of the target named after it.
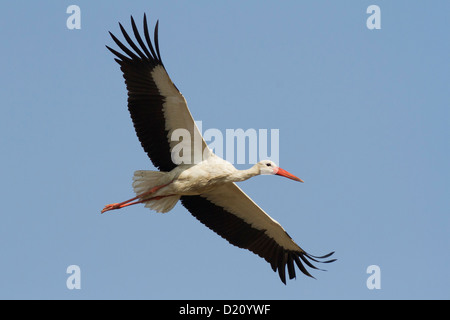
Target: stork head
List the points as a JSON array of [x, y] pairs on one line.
[[269, 167]]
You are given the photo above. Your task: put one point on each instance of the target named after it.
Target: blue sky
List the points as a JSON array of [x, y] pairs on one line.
[[363, 118]]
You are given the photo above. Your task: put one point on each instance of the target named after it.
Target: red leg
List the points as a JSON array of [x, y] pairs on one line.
[[127, 203], [136, 202]]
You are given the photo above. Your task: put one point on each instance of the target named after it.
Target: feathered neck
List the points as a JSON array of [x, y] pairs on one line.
[[242, 175]]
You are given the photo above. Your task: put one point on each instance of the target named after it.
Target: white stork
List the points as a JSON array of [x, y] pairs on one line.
[[206, 188]]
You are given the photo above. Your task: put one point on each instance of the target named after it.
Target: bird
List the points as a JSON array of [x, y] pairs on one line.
[[205, 186]]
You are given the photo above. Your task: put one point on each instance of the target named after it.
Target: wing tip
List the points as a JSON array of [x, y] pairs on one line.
[[153, 56], [298, 257]]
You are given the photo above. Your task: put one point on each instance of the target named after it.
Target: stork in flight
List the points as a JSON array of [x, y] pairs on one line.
[[206, 188]]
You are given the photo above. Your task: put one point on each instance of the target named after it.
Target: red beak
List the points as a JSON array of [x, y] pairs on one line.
[[284, 173]]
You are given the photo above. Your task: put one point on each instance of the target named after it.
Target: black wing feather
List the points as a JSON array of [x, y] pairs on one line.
[[241, 234], [139, 39], [147, 38], [145, 102], [131, 43]]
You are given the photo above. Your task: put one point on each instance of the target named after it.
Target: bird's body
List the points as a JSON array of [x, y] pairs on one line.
[[193, 179], [206, 183], [213, 172]]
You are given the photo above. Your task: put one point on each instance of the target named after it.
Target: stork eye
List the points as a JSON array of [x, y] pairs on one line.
[[268, 164]]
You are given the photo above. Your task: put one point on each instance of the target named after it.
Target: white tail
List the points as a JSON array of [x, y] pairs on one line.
[[144, 180]]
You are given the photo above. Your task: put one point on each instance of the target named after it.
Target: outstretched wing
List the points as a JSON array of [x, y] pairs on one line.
[[229, 212], [156, 106]]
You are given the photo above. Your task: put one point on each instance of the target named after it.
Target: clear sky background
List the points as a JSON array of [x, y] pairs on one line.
[[363, 118]]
